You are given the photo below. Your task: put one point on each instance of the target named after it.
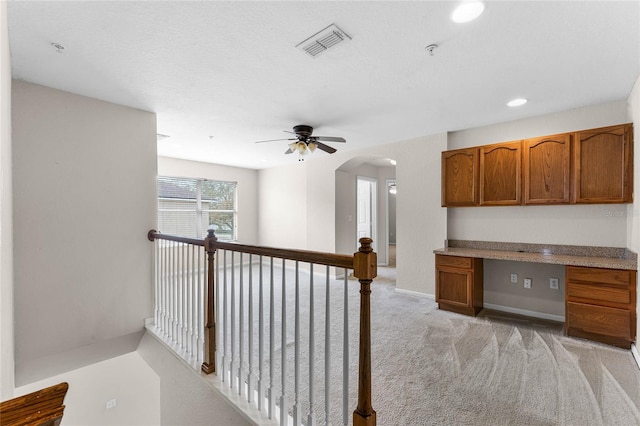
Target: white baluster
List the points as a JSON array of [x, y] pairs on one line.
[[225, 317], [327, 350], [165, 290], [250, 333], [272, 342], [260, 336], [284, 412], [240, 329], [197, 306], [345, 354], [233, 356], [296, 362], [311, 420], [174, 294]]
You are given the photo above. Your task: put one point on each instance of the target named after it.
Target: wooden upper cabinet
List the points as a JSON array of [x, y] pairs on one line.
[[603, 168], [460, 177], [500, 174], [546, 168]]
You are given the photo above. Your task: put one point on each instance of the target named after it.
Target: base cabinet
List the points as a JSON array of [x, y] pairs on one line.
[[601, 305], [459, 284]]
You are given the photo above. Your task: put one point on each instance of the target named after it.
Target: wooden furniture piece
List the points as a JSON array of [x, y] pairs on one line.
[[601, 305], [603, 167], [459, 286], [500, 174], [40, 408], [460, 173], [588, 166], [546, 173]]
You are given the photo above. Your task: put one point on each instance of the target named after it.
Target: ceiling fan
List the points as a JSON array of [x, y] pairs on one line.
[[304, 142]]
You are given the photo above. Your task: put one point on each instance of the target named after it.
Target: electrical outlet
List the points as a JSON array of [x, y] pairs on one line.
[[514, 278], [527, 283], [111, 404], [553, 283]]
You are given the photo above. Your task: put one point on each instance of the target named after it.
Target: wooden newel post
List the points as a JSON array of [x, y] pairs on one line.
[[209, 364], [365, 268]]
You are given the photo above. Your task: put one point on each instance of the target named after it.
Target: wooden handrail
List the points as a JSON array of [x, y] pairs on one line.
[[155, 235], [41, 408], [329, 259]]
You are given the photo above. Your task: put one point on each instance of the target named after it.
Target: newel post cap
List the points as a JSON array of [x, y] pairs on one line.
[[365, 261], [210, 240]]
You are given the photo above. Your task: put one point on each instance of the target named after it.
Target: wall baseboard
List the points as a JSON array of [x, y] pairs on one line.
[[635, 353], [416, 293], [534, 314]]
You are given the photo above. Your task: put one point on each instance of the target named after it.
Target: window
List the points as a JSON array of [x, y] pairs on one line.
[[189, 207]]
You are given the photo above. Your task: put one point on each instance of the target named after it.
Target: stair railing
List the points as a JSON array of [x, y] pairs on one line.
[[205, 301]]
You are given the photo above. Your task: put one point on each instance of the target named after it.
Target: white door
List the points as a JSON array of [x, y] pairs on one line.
[[366, 207]]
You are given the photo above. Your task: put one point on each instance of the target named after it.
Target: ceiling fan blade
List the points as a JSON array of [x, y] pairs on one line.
[[329, 138], [275, 140], [325, 148], [288, 151]]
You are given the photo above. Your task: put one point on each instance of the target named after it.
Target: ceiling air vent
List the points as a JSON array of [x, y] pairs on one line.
[[323, 40]]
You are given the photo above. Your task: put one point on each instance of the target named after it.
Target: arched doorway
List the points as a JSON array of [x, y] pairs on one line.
[[380, 170]]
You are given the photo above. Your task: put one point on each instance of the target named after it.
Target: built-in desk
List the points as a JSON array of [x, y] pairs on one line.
[[600, 296]]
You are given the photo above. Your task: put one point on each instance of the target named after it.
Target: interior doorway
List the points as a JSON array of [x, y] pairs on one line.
[[391, 192], [366, 210]]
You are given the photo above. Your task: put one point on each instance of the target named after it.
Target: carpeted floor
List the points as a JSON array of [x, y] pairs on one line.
[[432, 367]]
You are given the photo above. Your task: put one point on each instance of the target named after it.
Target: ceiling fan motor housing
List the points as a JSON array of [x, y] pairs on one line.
[[303, 131]]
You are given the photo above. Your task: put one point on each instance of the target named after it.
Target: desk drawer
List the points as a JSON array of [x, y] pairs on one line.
[[619, 277], [599, 294], [601, 320], [454, 261]]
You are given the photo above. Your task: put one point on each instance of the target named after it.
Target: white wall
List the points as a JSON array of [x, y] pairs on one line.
[[247, 189], [6, 225], [127, 379], [633, 212], [421, 222], [84, 186], [283, 206]]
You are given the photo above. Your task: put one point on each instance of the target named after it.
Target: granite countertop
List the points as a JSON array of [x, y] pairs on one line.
[[597, 257]]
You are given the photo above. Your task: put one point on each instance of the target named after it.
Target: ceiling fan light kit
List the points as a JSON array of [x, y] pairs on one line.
[[305, 142]]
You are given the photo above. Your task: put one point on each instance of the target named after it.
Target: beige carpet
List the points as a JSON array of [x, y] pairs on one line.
[[432, 367]]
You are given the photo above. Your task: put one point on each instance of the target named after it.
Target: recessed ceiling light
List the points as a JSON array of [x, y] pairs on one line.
[[467, 11], [517, 102]]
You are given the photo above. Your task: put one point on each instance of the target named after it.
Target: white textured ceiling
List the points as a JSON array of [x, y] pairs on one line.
[[231, 70]]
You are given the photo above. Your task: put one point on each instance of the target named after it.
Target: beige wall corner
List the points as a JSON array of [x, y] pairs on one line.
[[7, 379]]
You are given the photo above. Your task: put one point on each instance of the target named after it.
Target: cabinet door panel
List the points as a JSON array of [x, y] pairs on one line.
[[546, 169], [454, 287], [603, 169], [500, 174], [460, 177]]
